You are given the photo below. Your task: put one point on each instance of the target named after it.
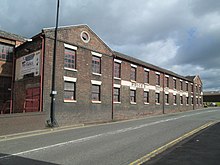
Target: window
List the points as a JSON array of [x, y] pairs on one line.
[[174, 83], [187, 100], [181, 85], [192, 100], [187, 87], [174, 99], [96, 93], [6, 52], [166, 81], [192, 88], [181, 100], [146, 76], [70, 58], [69, 90], [117, 70], [133, 73], [133, 96], [167, 98], [146, 97], [197, 101], [116, 94], [157, 79], [157, 99], [96, 64]]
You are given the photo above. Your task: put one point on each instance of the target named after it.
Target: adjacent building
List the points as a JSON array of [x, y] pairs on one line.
[[8, 42]]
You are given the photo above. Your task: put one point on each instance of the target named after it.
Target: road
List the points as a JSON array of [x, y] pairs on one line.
[[113, 143]]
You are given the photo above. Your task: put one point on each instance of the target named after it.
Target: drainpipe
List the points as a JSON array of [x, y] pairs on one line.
[[13, 79], [41, 73], [113, 69]]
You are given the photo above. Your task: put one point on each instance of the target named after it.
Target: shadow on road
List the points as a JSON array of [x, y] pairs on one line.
[[6, 159]]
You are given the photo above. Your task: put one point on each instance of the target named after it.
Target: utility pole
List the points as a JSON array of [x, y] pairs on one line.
[[53, 122]]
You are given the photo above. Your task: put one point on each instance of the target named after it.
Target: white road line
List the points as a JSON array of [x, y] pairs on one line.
[[103, 135]]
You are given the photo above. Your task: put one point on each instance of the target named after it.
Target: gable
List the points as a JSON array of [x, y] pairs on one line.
[[81, 36], [197, 80]]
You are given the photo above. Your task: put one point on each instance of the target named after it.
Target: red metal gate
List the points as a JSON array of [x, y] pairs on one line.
[[32, 100]]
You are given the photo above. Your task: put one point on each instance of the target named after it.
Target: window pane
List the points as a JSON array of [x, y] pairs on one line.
[[69, 58]]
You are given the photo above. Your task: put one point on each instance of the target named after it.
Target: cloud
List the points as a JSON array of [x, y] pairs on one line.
[[182, 36]]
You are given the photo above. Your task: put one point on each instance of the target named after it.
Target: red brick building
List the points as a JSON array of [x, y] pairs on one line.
[[93, 82], [8, 42]]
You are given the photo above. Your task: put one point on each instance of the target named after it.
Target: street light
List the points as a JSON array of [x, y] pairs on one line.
[[53, 121]]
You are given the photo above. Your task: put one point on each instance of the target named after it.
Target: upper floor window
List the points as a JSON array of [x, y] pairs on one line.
[[70, 58], [96, 64], [174, 83], [192, 88], [146, 76], [133, 73], [157, 79], [166, 81], [6, 52], [117, 70], [187, 87], [181, 85]]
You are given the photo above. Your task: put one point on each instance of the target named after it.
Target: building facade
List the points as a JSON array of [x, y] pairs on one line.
[[8, 42], [93, 82]]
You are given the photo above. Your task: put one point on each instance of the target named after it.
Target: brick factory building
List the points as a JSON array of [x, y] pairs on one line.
[[93, 82]]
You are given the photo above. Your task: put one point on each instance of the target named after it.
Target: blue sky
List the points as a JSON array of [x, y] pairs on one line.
[[182, 36]]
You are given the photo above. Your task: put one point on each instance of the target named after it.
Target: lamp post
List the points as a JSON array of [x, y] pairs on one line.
[[53, 122]]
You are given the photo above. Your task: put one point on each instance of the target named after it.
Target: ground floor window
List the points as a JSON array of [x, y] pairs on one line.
[[116, 94], [181, 100], [187, 100], [146, 97], [69, 90], [174, 99], [96, 91], [157, 99], [192, 102], [167, 98], [5, 88], [133, 96]]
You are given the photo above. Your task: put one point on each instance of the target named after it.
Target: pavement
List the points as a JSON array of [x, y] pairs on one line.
[[203, 148]]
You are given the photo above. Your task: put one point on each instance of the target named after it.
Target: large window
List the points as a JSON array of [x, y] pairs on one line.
[[133, 96], [157, 99], [146, 97], [157, 79], [116, 94], [117, 70], [96, 64], [69, 90], [146, 76], [96, 93], [70, 59], [133, 73], [6, 52]]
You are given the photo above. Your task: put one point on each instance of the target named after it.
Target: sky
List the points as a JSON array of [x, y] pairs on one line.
[[179, 35]]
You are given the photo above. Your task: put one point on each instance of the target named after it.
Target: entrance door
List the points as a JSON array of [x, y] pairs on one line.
[[32, 100]]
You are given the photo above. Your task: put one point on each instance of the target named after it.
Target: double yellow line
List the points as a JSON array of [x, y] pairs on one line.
[[170, 144]]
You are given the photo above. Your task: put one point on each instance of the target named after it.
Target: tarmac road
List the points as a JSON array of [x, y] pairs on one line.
[[114, 143]]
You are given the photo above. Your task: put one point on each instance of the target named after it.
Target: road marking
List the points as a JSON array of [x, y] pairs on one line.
[[170, 144]]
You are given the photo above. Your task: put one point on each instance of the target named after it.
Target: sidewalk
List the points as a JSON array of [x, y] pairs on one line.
[[202, 149]]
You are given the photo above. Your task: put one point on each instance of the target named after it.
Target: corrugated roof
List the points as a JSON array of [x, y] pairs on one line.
[[11, 36]]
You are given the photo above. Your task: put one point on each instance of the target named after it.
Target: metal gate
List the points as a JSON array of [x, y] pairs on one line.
[[32, 100]]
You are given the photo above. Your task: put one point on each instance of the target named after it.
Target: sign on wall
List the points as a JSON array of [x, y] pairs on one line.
[[28, 65]]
